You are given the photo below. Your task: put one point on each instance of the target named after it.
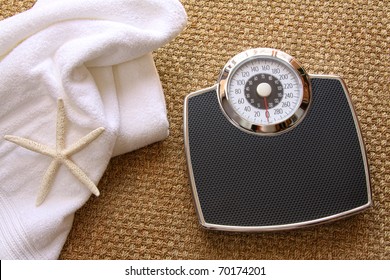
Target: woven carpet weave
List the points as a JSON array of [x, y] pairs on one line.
[[146, 211]]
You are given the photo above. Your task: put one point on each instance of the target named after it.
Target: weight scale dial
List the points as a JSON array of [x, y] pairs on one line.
[[264, 91]]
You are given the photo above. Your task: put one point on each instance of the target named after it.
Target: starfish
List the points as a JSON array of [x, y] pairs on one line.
[[60, 154]]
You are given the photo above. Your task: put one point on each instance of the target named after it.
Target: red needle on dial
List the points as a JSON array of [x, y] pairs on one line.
[[264, 90], [266, 108]]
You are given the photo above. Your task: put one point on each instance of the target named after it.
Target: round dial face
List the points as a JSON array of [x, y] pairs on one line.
[[264, 91]]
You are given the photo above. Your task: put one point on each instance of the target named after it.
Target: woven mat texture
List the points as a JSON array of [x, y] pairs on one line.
[[146, 211]]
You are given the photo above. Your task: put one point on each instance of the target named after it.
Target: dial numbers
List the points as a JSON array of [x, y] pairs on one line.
[[263, 88], [264, 91]]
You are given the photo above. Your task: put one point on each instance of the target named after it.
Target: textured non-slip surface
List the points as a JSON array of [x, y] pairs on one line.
[[146, 211], [313, 171]]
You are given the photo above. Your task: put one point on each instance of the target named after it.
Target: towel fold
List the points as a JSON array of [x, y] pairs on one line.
[[96, 57]]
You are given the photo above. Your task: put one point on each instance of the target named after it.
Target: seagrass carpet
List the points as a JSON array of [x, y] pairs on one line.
[[146, 211]]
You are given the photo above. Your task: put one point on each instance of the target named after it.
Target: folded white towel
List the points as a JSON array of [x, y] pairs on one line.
[[95, 57]]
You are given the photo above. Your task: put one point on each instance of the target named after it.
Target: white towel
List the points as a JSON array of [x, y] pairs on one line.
[[95, 56]]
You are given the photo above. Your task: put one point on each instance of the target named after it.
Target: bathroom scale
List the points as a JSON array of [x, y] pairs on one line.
[[271, 147]]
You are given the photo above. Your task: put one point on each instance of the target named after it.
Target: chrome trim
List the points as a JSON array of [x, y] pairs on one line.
[[260, 129], [285, 226], [187, 151]]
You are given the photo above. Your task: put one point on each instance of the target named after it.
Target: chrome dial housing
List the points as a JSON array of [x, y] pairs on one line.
[[264, 91]]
